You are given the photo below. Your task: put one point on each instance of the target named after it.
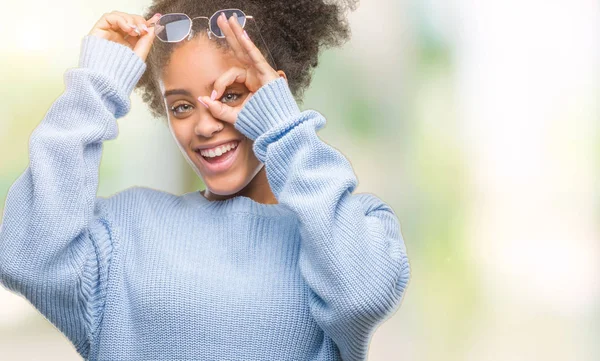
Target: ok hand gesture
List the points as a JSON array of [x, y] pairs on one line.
[[255, 73]]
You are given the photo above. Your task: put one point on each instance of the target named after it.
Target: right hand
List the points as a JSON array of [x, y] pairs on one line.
[[114, 26]]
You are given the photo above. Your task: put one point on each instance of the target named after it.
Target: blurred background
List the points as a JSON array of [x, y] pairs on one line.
[[477, 121]]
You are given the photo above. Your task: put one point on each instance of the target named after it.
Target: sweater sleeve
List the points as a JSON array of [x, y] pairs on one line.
[[55, 239], [352, 254]]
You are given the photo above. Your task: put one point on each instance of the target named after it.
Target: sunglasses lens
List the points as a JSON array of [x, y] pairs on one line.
[[228, 13], [173, 27]]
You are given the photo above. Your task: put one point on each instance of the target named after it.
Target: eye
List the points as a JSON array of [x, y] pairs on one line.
[[230, 97], [177, 108]]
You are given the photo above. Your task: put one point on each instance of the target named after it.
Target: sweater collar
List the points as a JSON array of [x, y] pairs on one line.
[[237, 204]]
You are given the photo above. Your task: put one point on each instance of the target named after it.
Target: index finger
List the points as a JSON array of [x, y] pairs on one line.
[[226, 29], [248, 45]]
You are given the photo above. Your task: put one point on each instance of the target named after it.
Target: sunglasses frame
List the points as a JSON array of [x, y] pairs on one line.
[[210, 31], [191, 20]]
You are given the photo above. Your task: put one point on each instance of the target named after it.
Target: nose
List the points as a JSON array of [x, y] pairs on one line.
[[207, 125]]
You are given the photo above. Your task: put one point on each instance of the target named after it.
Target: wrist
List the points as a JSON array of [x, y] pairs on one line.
[[271, 105], [116, 61]]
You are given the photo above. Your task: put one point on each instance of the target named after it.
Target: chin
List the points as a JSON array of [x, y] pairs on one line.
[[231, 184], [224, 188]]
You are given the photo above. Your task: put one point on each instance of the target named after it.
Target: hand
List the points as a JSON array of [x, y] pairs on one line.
[[255, 73], [120, 27]]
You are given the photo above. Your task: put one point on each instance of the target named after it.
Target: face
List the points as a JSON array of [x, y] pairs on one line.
[[193, 68]]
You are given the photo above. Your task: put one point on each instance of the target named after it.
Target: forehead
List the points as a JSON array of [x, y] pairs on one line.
[[196, 63]]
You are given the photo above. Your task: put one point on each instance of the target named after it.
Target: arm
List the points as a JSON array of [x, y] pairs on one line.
[[352, 253], [55, 240]]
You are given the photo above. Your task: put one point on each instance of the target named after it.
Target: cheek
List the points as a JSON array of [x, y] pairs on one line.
[[249, 158], [246, 158], [180, 133], [248, 151]]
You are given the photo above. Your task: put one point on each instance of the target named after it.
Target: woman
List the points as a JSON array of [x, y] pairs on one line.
[[275, 260]]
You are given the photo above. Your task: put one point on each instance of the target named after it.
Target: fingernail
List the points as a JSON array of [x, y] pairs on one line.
[[223, 15], [143, 26], [203, 103], [213, 95], [246, 35], [157, 14], [131, 25]]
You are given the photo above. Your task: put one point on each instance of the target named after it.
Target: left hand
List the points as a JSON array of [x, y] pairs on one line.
[[256, 72]]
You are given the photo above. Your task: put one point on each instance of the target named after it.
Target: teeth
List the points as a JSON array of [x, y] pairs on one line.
[[218, 151]]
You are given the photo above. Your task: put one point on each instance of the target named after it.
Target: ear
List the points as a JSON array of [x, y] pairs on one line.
[[282, 73]]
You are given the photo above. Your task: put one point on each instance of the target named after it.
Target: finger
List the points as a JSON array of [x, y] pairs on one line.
[[153, 20], [232, 75], [130, 21], [143, 26], [117, 22], [254, 54], [220, 110], [132, 39], [144, 44], [142, 23], [225, 27]]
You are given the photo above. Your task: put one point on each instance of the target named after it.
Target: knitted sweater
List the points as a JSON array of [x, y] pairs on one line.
[[148, 275]]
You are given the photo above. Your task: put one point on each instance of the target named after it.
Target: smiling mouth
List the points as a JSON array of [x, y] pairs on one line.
[[217, 153], [219, 163]]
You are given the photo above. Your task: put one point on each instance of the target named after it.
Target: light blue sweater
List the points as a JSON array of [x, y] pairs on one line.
[[149, 275]]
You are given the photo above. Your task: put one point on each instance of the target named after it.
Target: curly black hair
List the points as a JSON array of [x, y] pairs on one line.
[[294, 31]]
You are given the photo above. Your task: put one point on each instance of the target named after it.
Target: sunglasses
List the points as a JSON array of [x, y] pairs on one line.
[[175, 27]]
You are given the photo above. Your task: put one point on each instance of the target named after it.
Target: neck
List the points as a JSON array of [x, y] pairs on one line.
[[258, 190]]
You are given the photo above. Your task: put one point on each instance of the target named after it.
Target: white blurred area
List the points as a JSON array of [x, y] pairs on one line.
[[528, 91], [525, 88]]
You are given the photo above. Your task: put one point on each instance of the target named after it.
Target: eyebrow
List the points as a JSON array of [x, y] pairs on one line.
[[209, 87]]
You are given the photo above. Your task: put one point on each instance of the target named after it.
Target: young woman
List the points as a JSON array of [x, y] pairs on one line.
[[276, 259]]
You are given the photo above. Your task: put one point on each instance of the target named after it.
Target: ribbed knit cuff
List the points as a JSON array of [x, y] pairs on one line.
[[272, 104], [112, 59]]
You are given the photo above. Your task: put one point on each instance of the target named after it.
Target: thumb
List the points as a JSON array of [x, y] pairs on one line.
[[144, 43]]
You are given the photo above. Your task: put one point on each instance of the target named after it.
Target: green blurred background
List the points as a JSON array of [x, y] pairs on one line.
[[476, 121]]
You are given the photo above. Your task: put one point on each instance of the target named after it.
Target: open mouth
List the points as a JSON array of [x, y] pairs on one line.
[[219, 163]]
